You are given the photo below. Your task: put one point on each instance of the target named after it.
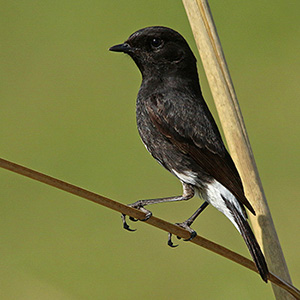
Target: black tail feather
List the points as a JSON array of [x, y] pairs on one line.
[[250, 240]]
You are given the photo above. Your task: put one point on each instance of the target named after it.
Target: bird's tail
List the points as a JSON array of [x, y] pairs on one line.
[[250, 240]]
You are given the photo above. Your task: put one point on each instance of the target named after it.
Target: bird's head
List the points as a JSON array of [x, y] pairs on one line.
[[159, 51]]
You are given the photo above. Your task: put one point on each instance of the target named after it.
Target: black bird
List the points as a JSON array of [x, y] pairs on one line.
[[179, 131]]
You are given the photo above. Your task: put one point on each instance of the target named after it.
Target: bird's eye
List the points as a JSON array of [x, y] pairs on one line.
[[156, 42]]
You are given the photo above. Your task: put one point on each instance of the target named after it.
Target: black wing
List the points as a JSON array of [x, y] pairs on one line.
[[194, 132]]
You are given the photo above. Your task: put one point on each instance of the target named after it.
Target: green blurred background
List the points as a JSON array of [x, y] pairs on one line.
[[68, 110]]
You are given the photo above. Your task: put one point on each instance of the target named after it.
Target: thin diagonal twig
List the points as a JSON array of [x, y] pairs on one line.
[[159, 223]]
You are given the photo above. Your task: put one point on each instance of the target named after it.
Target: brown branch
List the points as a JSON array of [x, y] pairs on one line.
[[159, 223]]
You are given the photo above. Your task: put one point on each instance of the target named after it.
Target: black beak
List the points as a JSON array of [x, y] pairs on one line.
[[121, 48]]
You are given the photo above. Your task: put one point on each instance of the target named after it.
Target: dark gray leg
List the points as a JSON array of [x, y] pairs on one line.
[[188, 193], [191, 220], [186, 225]]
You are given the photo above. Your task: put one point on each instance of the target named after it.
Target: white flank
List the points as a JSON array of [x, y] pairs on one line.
[[187, 177], [212, 195]]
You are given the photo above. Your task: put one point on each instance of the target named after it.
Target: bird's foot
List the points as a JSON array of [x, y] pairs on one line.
[[138, 205], [186, 226]]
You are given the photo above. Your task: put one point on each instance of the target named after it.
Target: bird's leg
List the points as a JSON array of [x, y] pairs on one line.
[[186, 225], [188, 193]]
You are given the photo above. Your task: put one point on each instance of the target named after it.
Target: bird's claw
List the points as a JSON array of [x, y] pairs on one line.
[[139, 207], [193, 235], [170, 243], [188, 228], [133, 219], [125, 225]]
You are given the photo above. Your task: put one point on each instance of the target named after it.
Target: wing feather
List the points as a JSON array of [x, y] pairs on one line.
[[201, 140]]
